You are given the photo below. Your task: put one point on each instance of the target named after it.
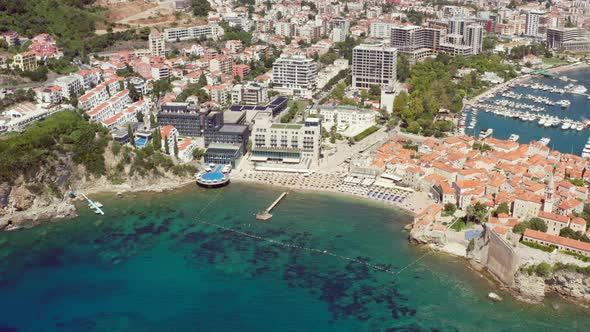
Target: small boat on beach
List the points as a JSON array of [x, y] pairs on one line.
[[513, 137]]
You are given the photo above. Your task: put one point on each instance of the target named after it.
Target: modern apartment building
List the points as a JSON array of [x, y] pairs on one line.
[[157, 44], [535, 25], [340, 28], [416, 42], [474, 37], [249, 93], [295, 75], [210, 31], [189, 119], [380, 30], [285, 143], [70, 85], [374, 64], [568, 39]]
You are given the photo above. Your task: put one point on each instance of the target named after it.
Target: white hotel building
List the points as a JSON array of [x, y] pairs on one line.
[[286, 143], [295, 75]]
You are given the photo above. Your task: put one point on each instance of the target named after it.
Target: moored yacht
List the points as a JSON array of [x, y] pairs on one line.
[[485, 133]]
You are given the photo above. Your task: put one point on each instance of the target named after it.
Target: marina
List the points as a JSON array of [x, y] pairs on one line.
[[555, 109]]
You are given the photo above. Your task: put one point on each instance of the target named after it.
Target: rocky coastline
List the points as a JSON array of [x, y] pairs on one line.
[[527, 286], [21, 207]]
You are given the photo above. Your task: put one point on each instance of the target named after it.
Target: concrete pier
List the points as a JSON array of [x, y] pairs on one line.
[[265, 214]]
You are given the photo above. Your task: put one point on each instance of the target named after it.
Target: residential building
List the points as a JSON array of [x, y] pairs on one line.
[[169, 137], [25, 61], [374, 64], [11, 38], [249, 93], [157, 44], [380, 30], [474, 37], [209, 31], [295, 75], [340, 28], [534, 23], [70, 85]]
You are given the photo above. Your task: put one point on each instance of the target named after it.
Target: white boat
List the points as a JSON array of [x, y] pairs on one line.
[[564, 103], [542, 121], [513, 137], [579, 89], [485, 133], [579, 127], [545, 141], [566, 125]]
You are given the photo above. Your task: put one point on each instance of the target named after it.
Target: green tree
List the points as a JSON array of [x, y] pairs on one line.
[[403, 67], [450, 208], [166, 145], [201, 7], [400, 104], [156, 139], [477, 213], [198, 153], [139, 116], [538, 224], [502, 208], [130, 134], [375, 91], [176, 148]]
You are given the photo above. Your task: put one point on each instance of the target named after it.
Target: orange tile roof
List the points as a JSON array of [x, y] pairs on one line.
[[554, 217], [569, 204], [564, 241]]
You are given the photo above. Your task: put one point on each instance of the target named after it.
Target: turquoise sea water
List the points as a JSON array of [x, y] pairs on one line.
[[149, 265], [568, 141]]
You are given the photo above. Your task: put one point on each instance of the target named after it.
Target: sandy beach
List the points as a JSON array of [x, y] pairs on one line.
[[411, 202]]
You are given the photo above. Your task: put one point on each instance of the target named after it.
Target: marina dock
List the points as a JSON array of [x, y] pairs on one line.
[[265, 214]]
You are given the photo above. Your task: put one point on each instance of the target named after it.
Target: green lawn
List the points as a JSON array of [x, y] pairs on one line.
[[554, 61]]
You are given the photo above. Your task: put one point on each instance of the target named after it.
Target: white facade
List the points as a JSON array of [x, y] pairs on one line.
[[157, 44], [70, 85], [349, 121], [532, 22], [212, 31], [374, 64], [474, 37], [380, 30], [295, 75], [289, 143]]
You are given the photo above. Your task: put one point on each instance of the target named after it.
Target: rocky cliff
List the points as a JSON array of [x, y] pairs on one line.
[[31, 200], [570, 284]]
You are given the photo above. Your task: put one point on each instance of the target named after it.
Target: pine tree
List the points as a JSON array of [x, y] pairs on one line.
[[156, 142], [175, 148], [130, 134], [166, 147]]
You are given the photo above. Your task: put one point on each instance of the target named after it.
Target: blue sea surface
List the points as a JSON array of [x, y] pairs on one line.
[[154, 262], [567, 141]]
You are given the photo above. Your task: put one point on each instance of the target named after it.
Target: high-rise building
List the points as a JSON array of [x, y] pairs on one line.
[[340, 28], [380, 30], [416, 42], [157, 44], [295, 75], [474, 37], [534, 22], [374, 64], [568, 39]]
